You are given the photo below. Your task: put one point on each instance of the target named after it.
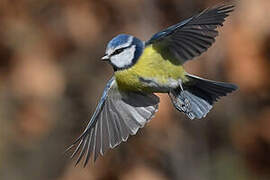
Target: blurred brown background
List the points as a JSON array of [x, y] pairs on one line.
[[51, 78]]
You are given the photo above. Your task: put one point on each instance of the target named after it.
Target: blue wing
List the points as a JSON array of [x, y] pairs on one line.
[[118, 115], [193, 36]]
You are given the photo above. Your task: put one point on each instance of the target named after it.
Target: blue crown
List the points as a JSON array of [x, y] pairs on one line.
[[119, 40]]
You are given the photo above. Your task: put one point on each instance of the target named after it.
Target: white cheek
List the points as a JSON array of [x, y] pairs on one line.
[[125, 58]]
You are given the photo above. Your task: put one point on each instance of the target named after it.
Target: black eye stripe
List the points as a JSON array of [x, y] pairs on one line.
[[118, 51]]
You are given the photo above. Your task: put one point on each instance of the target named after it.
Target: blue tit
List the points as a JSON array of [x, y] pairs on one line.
[[155, 66]]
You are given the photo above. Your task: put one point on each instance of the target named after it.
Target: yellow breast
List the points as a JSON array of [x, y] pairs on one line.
[[151, 65]]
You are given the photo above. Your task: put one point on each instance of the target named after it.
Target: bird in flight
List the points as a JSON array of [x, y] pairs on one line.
[[155, 66]]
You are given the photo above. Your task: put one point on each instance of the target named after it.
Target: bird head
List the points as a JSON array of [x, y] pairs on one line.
[[123, 51]]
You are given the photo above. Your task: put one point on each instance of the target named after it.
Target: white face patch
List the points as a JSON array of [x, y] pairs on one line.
[[124, 58]]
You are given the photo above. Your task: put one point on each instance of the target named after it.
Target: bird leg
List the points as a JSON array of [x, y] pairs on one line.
[[180, 84]]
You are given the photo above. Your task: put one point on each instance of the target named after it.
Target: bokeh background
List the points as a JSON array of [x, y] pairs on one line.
[[51, 78]]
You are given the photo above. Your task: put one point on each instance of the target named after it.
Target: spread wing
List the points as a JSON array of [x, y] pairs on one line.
[[193, 36], [118, 115]]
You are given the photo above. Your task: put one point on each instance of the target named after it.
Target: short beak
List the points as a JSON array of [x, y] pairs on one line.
[[105, 58]]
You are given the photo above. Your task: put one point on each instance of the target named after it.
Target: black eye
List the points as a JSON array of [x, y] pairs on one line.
[[118, 51]]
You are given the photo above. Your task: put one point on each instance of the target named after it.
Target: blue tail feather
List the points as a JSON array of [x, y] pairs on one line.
[[198, 95]]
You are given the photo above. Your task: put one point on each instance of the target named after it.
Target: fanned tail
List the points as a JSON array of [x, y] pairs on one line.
[[196, 97]]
